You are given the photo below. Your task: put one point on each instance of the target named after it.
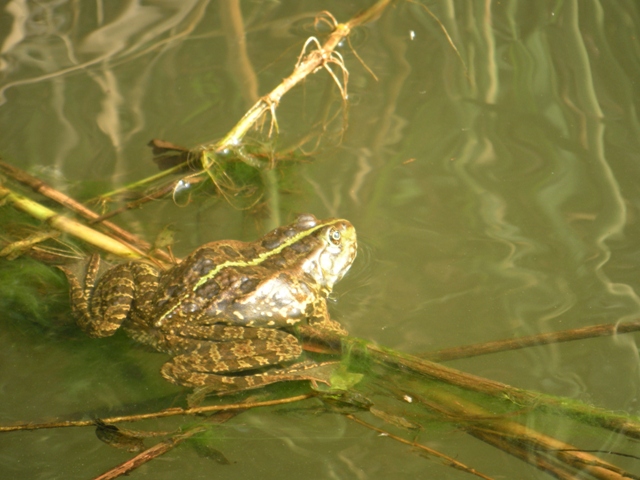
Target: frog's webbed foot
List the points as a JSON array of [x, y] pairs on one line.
[[320, 319]]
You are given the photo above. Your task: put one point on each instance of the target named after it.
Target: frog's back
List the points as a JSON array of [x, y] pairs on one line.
[[266, 282]]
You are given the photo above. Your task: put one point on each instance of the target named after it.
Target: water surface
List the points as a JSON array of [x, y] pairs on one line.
[[494, 190]]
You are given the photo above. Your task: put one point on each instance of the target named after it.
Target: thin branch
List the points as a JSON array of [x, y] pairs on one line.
[[169, 412], [149, 454], [429, 451], [154, 195], [584, 413], [165, 446], [48, 191], [532, 341], [482, 423], [69, 225], [625, 424], [550, 465], [307, 65]]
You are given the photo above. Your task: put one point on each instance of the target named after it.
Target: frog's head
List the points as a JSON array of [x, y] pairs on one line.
[[335, 250]]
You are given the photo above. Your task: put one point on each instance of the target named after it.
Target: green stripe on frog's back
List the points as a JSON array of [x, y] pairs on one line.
[[262, 257], [243, 263]]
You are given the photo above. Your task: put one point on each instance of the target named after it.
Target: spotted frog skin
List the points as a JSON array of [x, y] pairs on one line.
[[226, 313]]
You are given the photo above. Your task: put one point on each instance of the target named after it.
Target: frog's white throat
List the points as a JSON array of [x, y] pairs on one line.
[[331, 263]]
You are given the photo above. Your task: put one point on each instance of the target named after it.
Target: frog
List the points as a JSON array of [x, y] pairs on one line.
[[228, 312]]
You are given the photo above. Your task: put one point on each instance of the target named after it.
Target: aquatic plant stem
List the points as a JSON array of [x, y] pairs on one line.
[[307, 64], [169, 412], [474, 418], [428, 451], [48, 191], [525, 399], [150, 454], [536, 448], [593, 331], [68, 225]]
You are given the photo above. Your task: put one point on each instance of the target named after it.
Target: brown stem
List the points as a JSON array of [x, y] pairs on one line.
[[540, 447], [149, 454], [549, 465], [307, 65], [451, 461], [48, 191], [165, 446], [68, 225], [527, 399], [156, 194], [585, 413], [468, 351], [169, 412]]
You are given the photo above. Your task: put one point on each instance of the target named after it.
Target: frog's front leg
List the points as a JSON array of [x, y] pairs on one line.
[[319, 318], [214, 364]]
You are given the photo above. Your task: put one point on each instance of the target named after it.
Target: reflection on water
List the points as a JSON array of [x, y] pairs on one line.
[[495, 189]]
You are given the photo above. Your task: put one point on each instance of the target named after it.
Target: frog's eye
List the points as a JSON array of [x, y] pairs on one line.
[[334, 236]]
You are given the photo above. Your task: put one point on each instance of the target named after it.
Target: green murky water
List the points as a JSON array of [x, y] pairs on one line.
[[495, 194]]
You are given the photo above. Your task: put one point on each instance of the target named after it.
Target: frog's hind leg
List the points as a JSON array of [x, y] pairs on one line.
[[221, 364], [117, 292], [80, 293], [231, 349], [207, 382]]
